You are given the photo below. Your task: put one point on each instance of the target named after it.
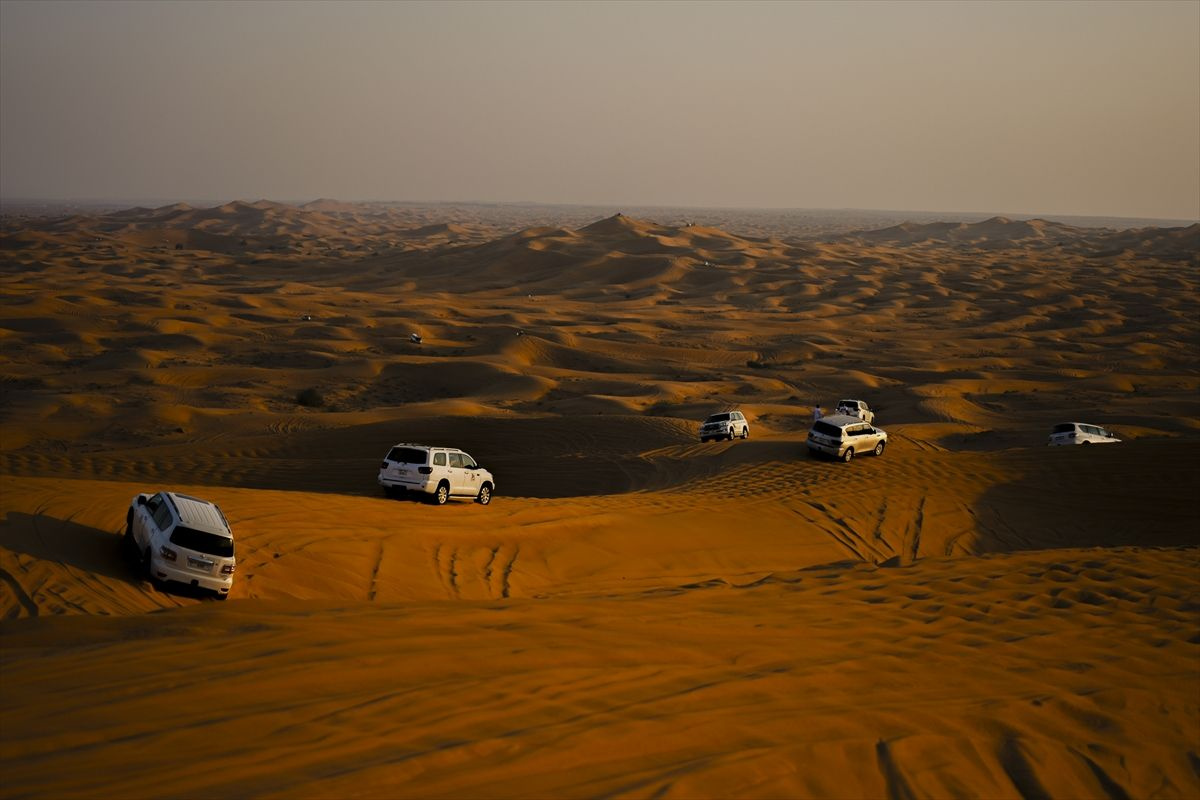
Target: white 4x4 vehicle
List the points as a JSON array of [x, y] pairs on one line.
[[441, 472], [725, 426], [843, 437], [1080, 433], [855, 408], [181, 538]]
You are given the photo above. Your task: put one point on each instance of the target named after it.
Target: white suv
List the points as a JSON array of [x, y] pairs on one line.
[[855, 408], [1080, 433], [843, 436], [725, 426], [441, 472], [181, 538]]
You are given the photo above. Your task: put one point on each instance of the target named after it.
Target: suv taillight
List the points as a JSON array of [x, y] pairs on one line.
[[227, 569], [425, 470]]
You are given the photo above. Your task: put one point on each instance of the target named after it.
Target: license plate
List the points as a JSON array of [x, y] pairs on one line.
[[401, 472], [201, 564]]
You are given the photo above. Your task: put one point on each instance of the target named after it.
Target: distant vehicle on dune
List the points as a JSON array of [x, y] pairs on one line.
[[855, 408], [726, 425], [1066, 433]]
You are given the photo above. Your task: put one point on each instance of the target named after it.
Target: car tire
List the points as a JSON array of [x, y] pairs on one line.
[[222, 597], [879, 448], [703, 440], [389, 492], [485, 495], [441, 494], [848, 455], [147, 566], [745, 433]]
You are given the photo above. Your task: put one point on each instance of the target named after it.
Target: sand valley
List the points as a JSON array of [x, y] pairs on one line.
[[636, 614]]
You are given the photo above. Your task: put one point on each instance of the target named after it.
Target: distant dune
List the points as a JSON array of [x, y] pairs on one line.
[[636, 614]]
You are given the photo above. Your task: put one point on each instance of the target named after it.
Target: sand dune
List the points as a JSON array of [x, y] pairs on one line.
[[636, 614]]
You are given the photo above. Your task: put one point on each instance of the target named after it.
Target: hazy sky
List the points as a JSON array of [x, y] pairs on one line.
[[1064, 108]]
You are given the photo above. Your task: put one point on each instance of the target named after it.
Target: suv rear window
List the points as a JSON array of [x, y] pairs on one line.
[[1066, 427], [718, 418], [829, 430], [408, 455], [203, 542]]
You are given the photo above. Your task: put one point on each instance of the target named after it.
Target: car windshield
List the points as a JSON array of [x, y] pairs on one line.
[[408, 455], [213, 544], [827, 429], [850, 403], [1065, 427], [718, 418]]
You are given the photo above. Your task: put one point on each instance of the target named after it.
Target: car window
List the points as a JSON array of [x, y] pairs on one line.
[[1065, 427], [467, 461], [203, 542], [162, 516], [456, 460], [829, 430], [408, 455], [718, 418], [439, 459]]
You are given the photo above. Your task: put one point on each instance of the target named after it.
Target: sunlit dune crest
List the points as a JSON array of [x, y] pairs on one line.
[[636, 614]]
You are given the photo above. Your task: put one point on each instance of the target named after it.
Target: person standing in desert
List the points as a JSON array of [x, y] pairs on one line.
[[817, 412]]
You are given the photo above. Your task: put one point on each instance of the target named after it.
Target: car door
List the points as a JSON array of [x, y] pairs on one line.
[[470, 476], [454, 473], [143, 521], [860, 438]]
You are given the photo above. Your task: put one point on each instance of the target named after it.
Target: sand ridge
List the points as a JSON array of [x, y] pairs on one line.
[[635, 614]]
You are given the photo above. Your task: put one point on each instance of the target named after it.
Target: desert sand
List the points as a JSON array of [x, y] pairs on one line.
[[636, 614]]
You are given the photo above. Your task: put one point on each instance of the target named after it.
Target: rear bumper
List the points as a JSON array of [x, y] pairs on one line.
[[421, 485], [164, 571], [828, 449]]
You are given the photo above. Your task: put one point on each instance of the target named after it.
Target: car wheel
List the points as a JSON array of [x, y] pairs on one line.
[[147, 566], [745, 433], [879, 448], [848, 455], [1086, 442], [703, 440], [222, 597], [485, 495], [442, 494]]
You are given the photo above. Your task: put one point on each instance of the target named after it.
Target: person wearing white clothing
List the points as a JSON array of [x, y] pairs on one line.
[[817, 412]]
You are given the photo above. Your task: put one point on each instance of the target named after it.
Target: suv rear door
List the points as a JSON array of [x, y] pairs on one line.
[[401, 463]]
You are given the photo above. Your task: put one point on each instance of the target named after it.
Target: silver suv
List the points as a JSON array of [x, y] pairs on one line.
[[726, 425], [181, 538], [440, 472], [843, 436]]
